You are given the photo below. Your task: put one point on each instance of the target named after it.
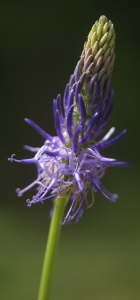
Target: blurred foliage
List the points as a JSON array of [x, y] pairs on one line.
[[98, 258]]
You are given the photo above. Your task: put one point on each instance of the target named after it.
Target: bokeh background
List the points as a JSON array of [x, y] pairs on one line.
[[98, 258]]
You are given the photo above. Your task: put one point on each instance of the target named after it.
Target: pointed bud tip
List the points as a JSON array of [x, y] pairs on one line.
[[26, 120], [103, 19]]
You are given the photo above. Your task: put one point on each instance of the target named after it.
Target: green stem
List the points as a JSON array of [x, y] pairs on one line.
[[51, 247]]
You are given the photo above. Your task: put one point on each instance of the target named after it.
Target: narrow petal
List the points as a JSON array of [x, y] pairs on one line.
[[91, 84], [54, 107], [106, 144], [58, 104], [70, 98], [101, 84], [102, 125], [44, 134], [82, 110], [77, 71], [100, 102], [69, 121], [58, 127], [109, 102], [65, 97], [75, 138], [80, 84], [71, 81], [32, 149], [106, 137], [107, 160], [94, 97], [121, 164], [89, 129]]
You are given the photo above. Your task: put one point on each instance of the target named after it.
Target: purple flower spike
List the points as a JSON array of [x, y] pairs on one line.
[[70, 163]]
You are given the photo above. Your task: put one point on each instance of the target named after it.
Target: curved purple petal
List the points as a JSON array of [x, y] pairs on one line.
[[58, 127], [75, 138], [69, 121], [106, 144], [89, 129], [82, 110], [44, 134]]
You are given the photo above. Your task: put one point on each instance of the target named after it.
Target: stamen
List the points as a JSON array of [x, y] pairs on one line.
[[78, 180], [23, 161], [66, 219], [21, 192], [76, 212], [53, 154]]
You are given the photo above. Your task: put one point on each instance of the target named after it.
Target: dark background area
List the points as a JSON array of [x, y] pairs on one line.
[[98, 258]]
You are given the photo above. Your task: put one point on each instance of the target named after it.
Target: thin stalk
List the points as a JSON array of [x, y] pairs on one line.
[[51, 247]]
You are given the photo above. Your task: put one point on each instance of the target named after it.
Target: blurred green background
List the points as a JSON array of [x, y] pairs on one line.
[[98, 258]]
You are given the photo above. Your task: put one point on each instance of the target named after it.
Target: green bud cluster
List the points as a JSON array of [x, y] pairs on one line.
[[98, 55]]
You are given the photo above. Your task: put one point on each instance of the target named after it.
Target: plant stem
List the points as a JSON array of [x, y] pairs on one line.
[[51, 247]]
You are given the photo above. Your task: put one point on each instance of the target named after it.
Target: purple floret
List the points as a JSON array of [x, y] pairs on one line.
[[61, 170]]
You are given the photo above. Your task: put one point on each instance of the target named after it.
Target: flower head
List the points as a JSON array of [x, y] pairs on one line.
[[70, 164]]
